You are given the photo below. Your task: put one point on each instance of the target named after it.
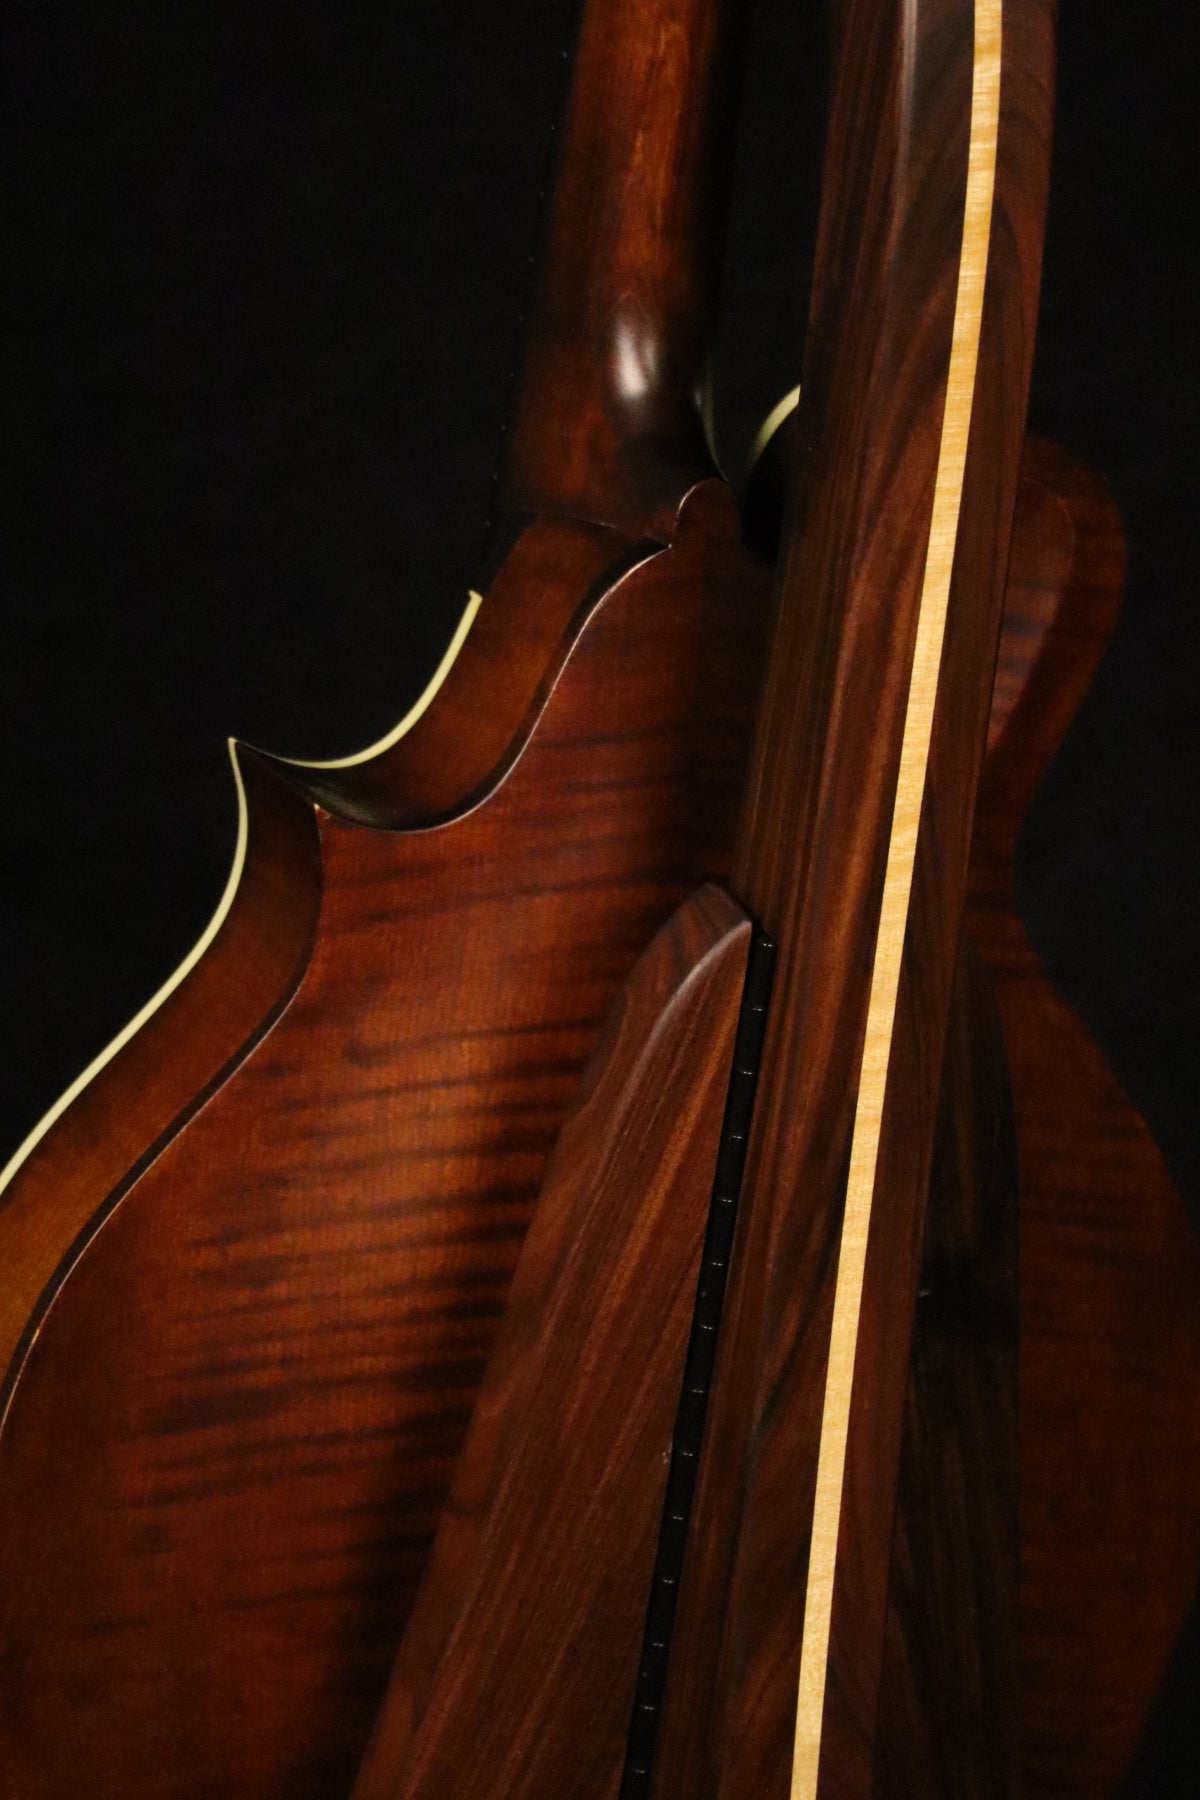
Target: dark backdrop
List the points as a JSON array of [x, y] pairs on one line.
[[262, 268]]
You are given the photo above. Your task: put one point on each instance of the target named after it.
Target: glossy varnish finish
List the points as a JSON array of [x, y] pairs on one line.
[[891, 935], [949, 1725], [528, 1625], [190, 1044], [531, 1671], [814, 841], [1110, 1274], [269, 1245], [230, 1443], [1108, 1480], [608, 423], [268, 1269]]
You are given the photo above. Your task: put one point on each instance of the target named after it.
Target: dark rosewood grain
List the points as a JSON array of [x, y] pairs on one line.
[[949, 1723], [1110, 1273], [517, 1671], [699, 1364], [810, 866]]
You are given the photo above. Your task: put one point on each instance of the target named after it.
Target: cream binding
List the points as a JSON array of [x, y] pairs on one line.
[[178, 975]]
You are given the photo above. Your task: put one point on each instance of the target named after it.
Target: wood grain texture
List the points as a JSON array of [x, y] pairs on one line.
[[269, 1246], [231, 1440], [497, 686], [114, 1128], [1110, 1274], [814, 842], [268, 1269], [949, 1724], [929, 633], [528, 1624], [608, 422]]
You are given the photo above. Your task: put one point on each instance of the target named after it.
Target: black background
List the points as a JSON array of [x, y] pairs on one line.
[[262, 273]]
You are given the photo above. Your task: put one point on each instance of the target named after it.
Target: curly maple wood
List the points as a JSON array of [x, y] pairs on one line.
[[229, 1443], [79, 1162], [253, 1274]]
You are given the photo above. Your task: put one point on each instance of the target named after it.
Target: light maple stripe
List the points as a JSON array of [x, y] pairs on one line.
[[897, 888]]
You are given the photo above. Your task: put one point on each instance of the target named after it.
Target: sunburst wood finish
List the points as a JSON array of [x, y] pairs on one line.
[[110, 1133], [253, 1274], [229, 1444]]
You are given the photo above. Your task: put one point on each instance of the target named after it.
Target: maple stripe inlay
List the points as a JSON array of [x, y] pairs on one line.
[[897, 886]]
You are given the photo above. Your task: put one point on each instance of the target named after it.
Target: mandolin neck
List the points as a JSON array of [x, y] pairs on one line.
[[608, 422]]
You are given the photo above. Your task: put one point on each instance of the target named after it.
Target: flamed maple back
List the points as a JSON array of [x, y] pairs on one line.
[[910, 429], [252, 1272]]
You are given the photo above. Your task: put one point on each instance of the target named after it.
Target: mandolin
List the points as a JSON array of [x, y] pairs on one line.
[[358, 1305]]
